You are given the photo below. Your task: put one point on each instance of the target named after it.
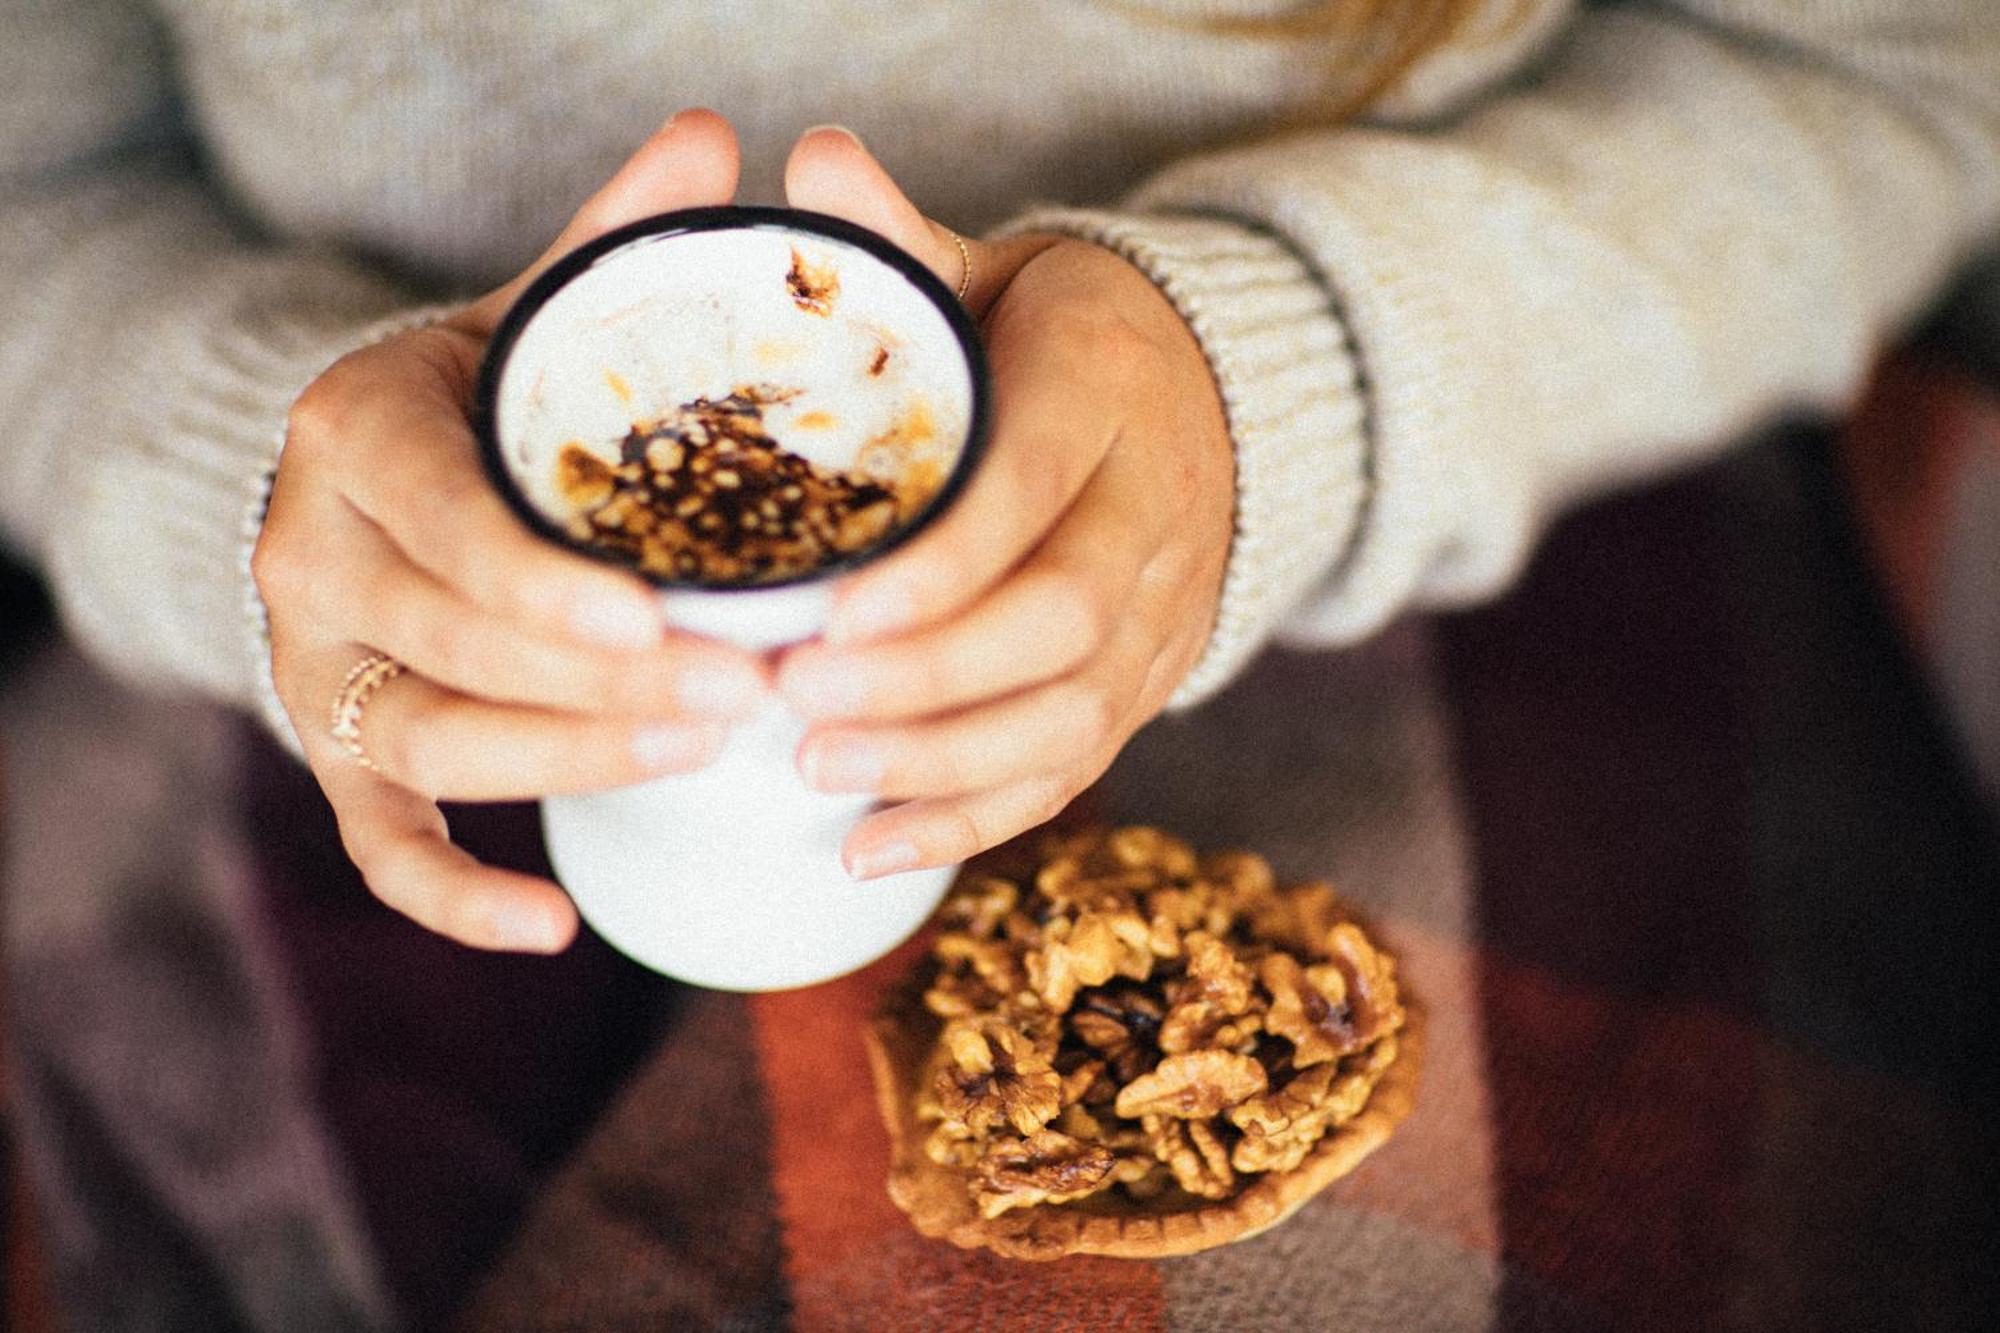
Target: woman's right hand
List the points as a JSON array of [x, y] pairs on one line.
[[531, 670]]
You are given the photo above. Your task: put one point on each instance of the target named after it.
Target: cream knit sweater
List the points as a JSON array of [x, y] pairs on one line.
[[1574, 248]]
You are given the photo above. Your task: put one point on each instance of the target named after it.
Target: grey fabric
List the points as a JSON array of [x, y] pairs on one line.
[[180, 1178]]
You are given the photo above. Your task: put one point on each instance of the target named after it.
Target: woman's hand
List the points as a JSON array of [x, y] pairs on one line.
[[531, 670], [990, 670]]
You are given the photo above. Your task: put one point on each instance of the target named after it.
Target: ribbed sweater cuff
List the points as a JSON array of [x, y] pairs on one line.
[[1281, 362], [250, 526], [174, 506]]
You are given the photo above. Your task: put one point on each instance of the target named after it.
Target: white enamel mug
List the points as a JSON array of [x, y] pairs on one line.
[[731, 877]]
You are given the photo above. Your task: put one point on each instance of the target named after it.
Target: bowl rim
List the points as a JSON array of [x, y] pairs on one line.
[[730, 217]]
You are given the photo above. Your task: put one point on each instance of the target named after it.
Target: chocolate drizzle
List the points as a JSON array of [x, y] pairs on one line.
[[704, 493]]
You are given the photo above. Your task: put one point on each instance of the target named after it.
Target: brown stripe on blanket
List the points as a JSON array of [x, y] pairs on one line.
[[452, 1080], [665, 1219], [1602, 754]]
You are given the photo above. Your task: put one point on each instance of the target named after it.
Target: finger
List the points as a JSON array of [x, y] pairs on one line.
[[831, 171], [691, 161], [1044, 621], [446, 745], [398, 841], [388, 429], [1043, 730], [408, 614], [1049, 435], [946, 830], [1134, 680]]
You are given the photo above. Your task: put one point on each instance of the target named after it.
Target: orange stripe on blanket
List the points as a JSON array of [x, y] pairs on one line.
[[852, 1259]]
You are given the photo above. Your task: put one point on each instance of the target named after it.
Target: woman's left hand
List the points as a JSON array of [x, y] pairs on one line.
[[990, 670]]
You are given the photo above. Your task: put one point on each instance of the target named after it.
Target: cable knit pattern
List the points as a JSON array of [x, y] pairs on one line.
[[1574, 248], [1294, 409]]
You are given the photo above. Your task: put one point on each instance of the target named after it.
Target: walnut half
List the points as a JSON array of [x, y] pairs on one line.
[[1044, 1167]]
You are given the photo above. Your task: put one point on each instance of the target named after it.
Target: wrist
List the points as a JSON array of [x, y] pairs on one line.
[[1281, 367]]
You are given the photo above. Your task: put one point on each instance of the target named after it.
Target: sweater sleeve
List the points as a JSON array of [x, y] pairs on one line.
[[152, 351], [1428, 341]]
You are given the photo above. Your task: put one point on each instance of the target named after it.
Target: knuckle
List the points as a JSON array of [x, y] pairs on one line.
[[390, 872], [941, 675], [961, 836], [450, 645], [324, 411], [1077, 618], [462, 490], [1048, 797], [274, 568], [943, 764], [1038, 490], [1086, 714], [1112, 335], [402, 752], [594, 682]]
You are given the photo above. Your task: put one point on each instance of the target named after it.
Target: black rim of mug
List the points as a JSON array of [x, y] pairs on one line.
[[732, 217]]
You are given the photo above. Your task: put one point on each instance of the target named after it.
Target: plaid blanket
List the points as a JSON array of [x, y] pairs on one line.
[[1674, 844]]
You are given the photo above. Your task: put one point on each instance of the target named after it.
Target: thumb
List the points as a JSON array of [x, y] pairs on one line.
[[829, 171], [689, 162]]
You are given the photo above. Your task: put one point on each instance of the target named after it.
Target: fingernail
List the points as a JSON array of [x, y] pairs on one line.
[[667, 746], [820, 688], [843, 764], [887, 859], [524, 926], [870, 612], [837, 129], [617, 622], [721, 689]]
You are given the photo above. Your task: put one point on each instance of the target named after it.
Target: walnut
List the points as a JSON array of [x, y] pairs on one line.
[[1132, 1016], [1080, 1082], [1370, 977], [1315, 1018], [1043, 1167], [1078, 874], [1086, 952], [1246, 875], [1122, 1023], [994, 1075], [1195, 907], [1212, 1000], [1193, 1086], [949, 1147], [979, 908], [1135, 944], [974, 975], [1280, 1129], [1194, 1153], [1150, 848], [1201, 1024], [1214, 974]]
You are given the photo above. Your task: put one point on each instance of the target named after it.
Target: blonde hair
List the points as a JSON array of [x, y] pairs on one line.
[[1389, 36]]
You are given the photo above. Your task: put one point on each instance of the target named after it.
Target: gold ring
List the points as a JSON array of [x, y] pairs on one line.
[[370, 674], [964, 265]]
